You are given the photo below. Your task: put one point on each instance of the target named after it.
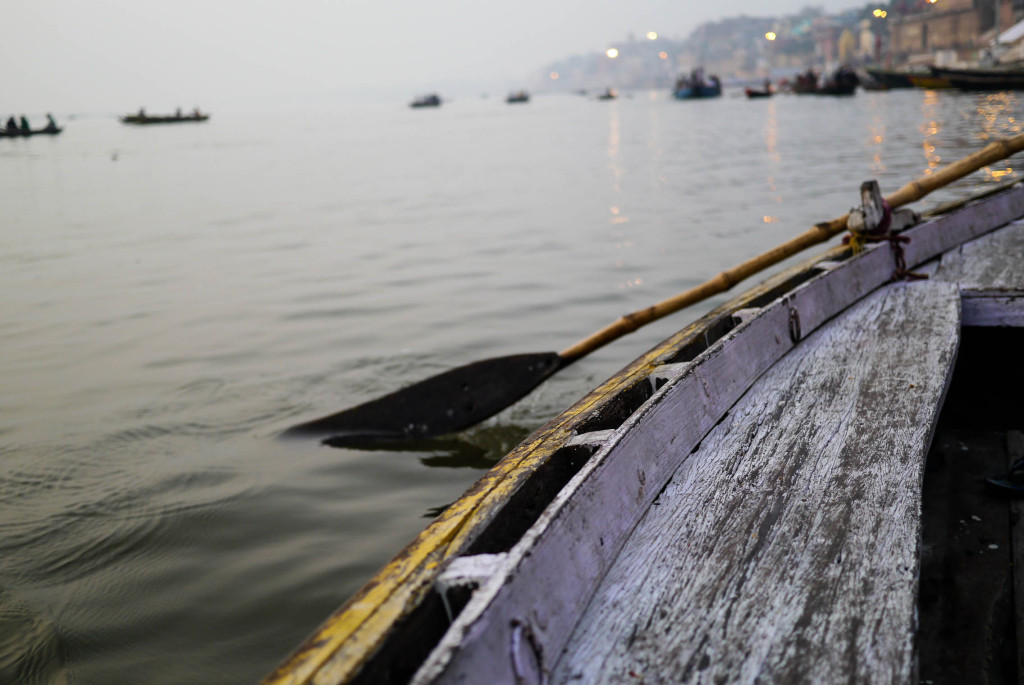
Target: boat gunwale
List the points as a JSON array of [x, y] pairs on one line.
[[348, 638]]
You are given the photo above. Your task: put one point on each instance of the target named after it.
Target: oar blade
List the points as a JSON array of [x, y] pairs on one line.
[[441, 404]]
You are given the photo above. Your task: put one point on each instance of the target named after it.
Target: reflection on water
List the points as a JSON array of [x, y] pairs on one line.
[[771, 144], [999, 114], [170, 308], [930, 130]]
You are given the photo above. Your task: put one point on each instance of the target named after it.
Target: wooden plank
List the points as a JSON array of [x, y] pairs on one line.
[[993, 262], [990, 273], [988, 308], [786, 548]]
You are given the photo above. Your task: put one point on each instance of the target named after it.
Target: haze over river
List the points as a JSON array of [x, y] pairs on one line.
[[173, 297]]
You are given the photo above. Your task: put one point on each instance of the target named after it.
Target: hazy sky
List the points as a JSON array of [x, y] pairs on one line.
[[112, 55]]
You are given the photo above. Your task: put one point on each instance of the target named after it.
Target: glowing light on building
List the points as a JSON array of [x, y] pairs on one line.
[[882, 13], [554, 75], [770, 35], [663, 55], [652, 35], [612, 53]]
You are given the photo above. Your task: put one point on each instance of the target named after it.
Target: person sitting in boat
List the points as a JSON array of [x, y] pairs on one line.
[[51, 124], [196, 113], [177, 113], [12, 126], [25, 128], [142, 112]]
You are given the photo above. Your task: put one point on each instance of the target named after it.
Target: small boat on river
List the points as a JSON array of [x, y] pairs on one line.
[[843, 81], [22, 129], [608, 94], [49, 131], [743, 501], [695, 86], [765, 92], [432, 100], [518, 97], [142, 119]]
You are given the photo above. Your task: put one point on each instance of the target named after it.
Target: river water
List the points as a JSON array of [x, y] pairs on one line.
[[174, 297]]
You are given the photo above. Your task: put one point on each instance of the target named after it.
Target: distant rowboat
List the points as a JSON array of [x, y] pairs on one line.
[[432, 100], [143, 119], [25, 134], [695, 86]]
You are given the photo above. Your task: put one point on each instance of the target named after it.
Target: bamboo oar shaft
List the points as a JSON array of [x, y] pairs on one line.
[[911, 192]]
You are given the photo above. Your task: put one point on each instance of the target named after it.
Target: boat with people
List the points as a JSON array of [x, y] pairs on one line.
[[997, 78], [608, 94], [696, 86], [4, 133], [22, 129], [431, 100], [751, 483], [842, 81], [518, 97], [765, 91], [142, 119]]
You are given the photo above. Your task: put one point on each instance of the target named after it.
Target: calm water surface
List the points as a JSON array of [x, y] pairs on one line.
[[173, 297]]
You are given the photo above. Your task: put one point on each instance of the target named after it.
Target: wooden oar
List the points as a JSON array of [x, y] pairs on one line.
[[466, 395]]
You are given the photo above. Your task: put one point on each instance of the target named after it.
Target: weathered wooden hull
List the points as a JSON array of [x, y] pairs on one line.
[[677, 464]]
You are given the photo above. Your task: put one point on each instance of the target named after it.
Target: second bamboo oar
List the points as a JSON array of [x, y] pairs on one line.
[[466, 395]]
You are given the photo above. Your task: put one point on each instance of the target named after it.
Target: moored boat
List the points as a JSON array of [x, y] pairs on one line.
[[752, 93], [890, 78], [929, 82], [518, 97], [981, 79], [725, 495], [608, 94]]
